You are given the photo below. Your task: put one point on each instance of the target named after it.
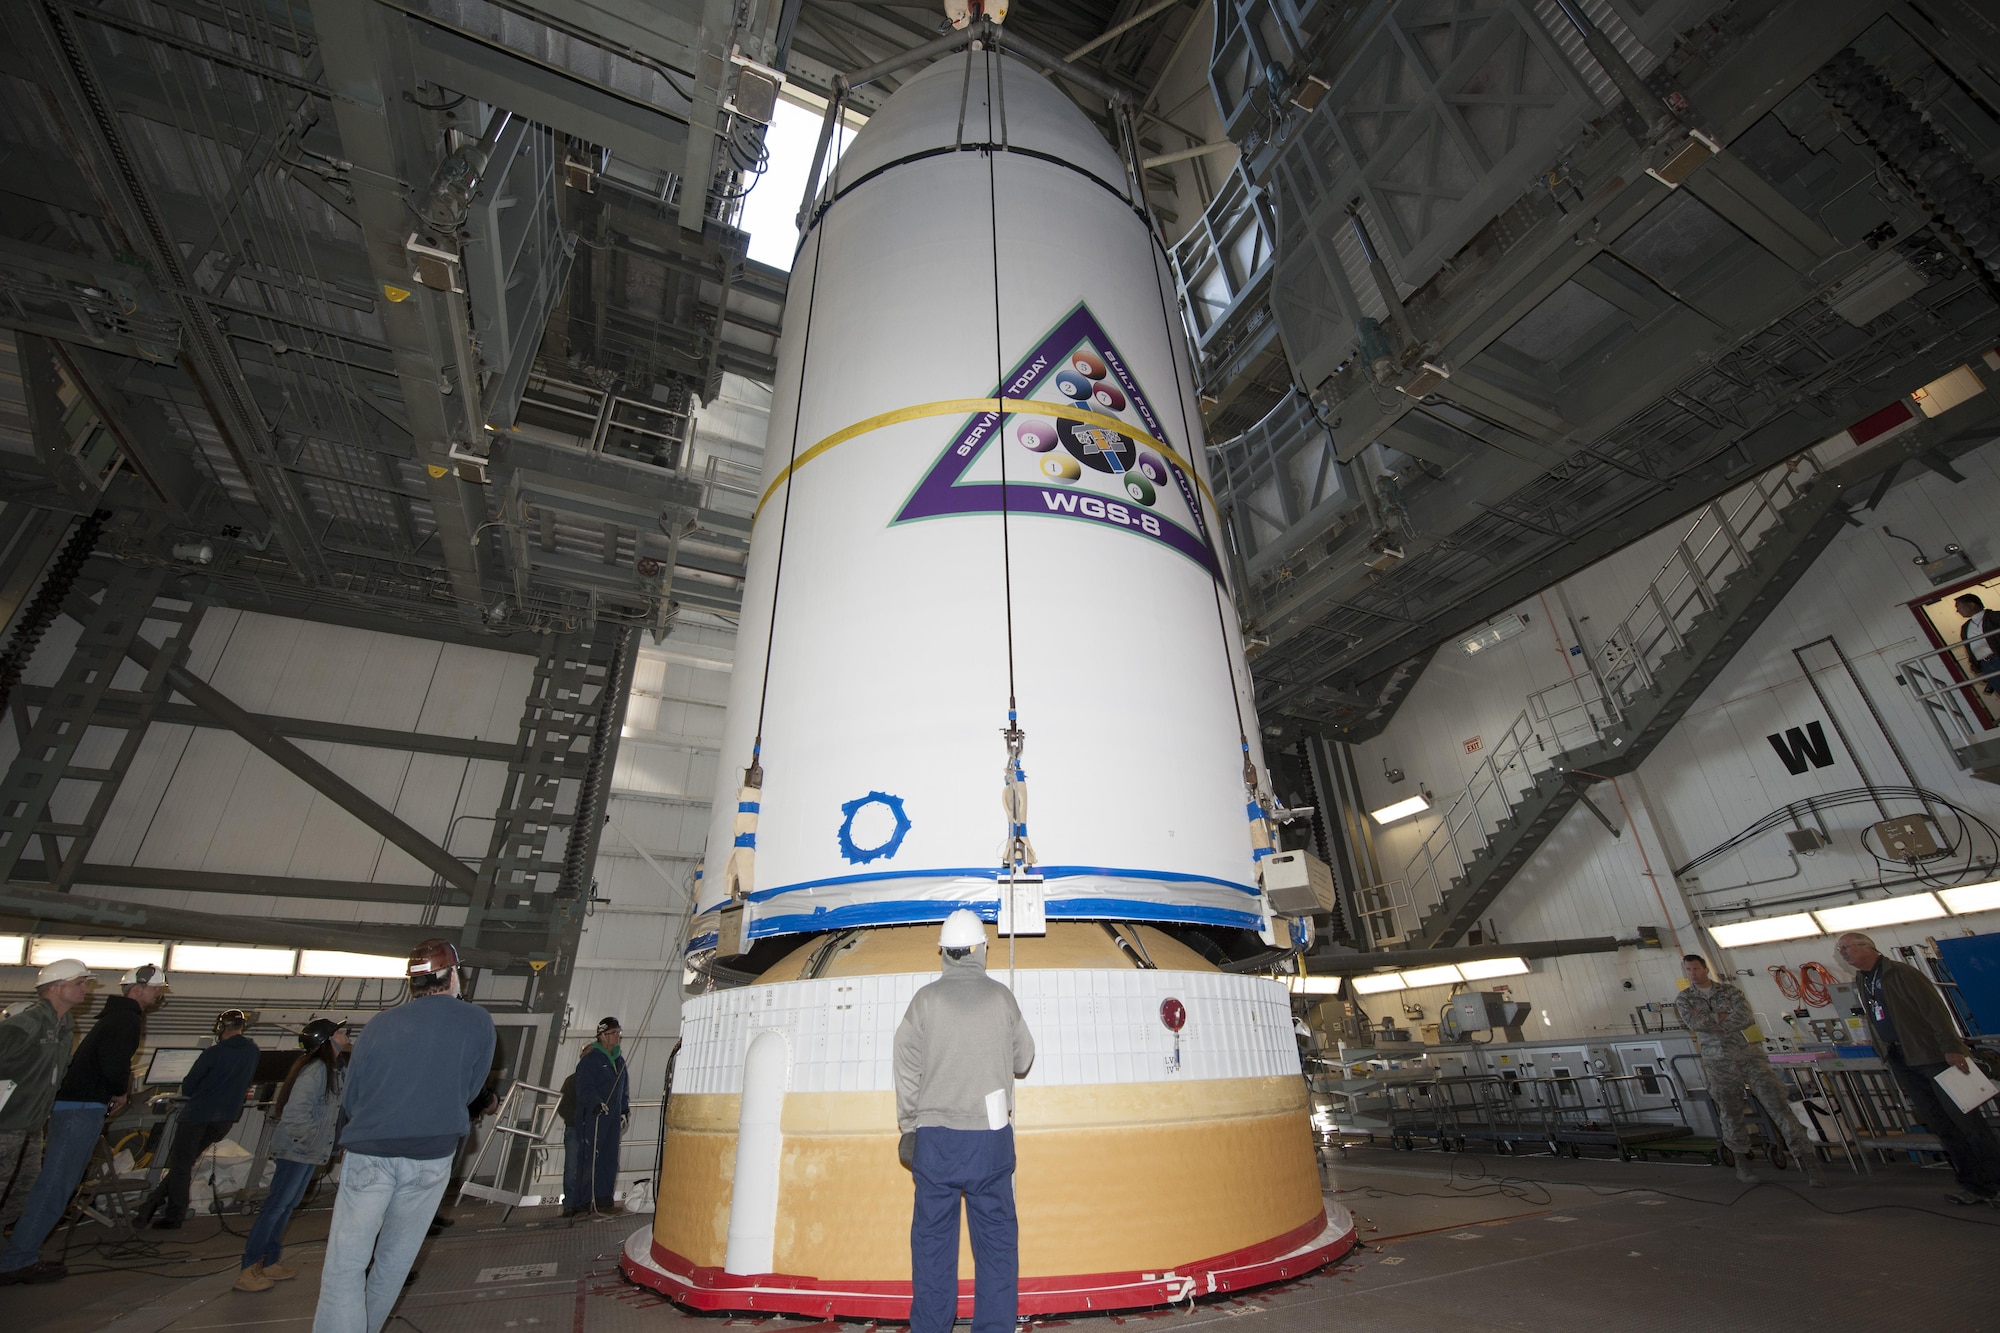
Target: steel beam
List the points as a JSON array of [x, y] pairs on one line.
[[116, 709], [311, 771], [32, 873], [39, 906], [634, 132]]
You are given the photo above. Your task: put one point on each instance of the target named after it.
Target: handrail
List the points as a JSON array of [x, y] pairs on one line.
[[1941, 683], [1718, 545]]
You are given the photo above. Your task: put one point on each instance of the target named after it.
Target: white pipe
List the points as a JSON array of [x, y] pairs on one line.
[[1200, 150], [760, 1139]]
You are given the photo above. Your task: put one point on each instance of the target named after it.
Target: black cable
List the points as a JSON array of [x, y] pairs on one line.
[[422, 105], [1965, 820], [791, 483], [1188, 443], [999, 418]]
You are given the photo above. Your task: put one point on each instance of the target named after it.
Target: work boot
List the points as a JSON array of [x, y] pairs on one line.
[[1744, 1173], [253, 1278], [278, 1272], [169, 1223], [43, 1270], [1815, 1174]]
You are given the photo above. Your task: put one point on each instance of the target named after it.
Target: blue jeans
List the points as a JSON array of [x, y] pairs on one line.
[[384, 1207], [72, 1134], [267, 1233], [978, 1164]]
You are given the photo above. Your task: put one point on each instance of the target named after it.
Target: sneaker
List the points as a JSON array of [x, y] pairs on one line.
[[33, 1274], [254, 1279], [442, 1221], [279, 1272]]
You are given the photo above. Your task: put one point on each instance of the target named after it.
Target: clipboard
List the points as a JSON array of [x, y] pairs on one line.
[[1968, 1090]]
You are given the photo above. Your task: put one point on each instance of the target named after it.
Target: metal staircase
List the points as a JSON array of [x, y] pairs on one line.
[[1737, 560]]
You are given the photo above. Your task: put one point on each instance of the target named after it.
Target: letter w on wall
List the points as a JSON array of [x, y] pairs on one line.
[[1800, 748]]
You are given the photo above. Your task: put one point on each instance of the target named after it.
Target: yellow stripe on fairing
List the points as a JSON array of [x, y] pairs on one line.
[[951, 407]]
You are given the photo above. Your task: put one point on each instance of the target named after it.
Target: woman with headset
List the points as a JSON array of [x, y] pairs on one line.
[[307, 1110]]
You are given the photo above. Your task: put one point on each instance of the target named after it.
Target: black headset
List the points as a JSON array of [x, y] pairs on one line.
[[229, 1018]]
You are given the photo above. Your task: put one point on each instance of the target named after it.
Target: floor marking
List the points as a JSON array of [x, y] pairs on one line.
[[1466, 1235], [1559, 1217], [1431, 1231], [516, 1272]]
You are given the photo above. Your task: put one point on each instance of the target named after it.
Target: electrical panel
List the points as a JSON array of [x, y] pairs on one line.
[[1907, 838]]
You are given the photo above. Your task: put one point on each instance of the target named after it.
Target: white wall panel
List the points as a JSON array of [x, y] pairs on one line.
[[1715, 773]]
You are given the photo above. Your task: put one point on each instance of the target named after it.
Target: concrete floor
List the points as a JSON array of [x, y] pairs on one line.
[[1462, 1241]]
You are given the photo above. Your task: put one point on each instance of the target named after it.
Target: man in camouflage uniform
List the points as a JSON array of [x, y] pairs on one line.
[[1716, 1012]]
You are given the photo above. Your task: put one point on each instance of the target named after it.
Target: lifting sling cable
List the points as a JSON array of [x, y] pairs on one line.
[[739, 874], [1254, 807], [1016, 852]]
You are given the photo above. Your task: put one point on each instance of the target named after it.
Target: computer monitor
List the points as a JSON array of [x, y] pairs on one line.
[[170, 1065]]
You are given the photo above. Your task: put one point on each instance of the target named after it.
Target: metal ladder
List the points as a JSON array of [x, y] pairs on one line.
[[529, 1137]]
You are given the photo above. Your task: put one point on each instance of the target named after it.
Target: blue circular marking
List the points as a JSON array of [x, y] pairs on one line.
[[863, 855]]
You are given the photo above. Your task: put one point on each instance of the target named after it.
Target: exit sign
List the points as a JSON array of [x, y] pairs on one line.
[[1473, 744]]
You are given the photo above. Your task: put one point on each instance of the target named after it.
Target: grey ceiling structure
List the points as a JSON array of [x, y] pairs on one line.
[[1502, 284], [392, 313]]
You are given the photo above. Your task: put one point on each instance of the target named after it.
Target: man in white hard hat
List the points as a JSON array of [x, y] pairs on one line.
[[961, 1045], [92, 1091], [34, 1049]]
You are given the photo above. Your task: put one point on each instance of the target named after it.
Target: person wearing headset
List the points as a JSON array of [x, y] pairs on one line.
[[213, 1100], [94, 1089], [603, 1100], [307, 1111], [403, 1116]]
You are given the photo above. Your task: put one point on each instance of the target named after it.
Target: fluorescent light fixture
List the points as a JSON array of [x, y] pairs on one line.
[[230, 960], [13, 948], [1314, 985], [1403, 809], [1377, 982], [334, 963], [1443, 974], [1765, 930], [111, 955], [1966, 898], [1492, 634], [1881, 912], [1493, 967], [1948, 391]]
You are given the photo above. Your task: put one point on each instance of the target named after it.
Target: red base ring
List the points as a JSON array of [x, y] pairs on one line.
[[1294, 1254]]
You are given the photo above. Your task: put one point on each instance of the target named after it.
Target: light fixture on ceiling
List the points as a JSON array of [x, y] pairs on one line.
[[1881, 912], [1973, 897], [1766, 930], [13, 948], [1377, 982], [109, 955], [1403, 809], [1313, 985], [1485, 968], [1492, 634], [335, 963], [232, 960], [1443, 974]]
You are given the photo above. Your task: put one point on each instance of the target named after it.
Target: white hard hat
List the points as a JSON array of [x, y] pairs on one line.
[[962, 930], [146, 974], [63, 969]]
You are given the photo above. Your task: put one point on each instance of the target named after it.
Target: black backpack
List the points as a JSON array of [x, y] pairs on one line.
[[566, 1101]]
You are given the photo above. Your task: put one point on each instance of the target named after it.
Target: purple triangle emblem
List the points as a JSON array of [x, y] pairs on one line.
[[1062, 467]]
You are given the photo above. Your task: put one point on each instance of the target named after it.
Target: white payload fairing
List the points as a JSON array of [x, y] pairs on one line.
[[986, 565]]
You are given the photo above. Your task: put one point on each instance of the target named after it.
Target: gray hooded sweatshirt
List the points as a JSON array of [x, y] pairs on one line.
[[961, 1045]]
